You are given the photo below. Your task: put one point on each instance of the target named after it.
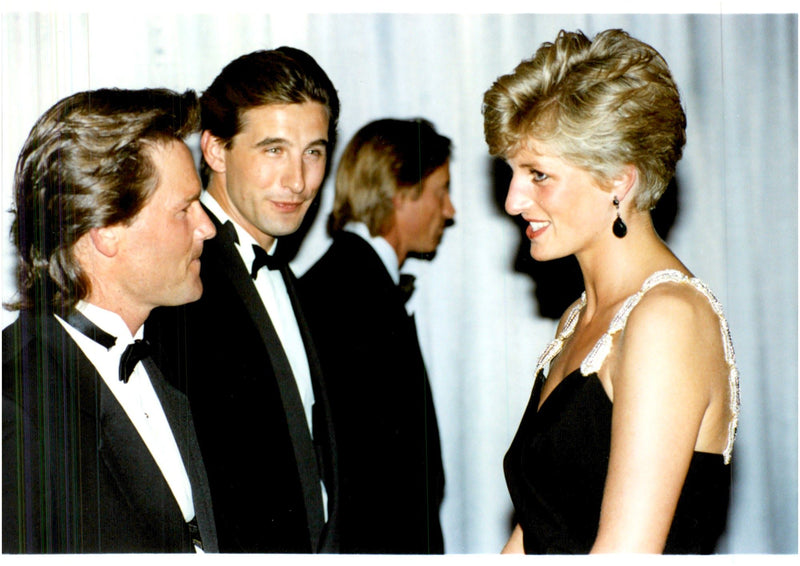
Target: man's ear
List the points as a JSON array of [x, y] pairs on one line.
[[401, 198], [398, 199], [106, 240], [213, 151]]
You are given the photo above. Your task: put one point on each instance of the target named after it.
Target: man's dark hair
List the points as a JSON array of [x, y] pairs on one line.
[[285, 75]]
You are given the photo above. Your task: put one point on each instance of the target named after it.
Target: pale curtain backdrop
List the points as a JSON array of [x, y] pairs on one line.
[[479, 322]]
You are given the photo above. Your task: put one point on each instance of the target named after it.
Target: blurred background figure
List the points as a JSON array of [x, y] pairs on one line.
[[392, 199]]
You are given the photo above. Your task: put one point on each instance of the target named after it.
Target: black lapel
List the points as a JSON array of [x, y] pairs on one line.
[[324, 439], [132, 465], [120, 448], [179, 417], [223, 256]]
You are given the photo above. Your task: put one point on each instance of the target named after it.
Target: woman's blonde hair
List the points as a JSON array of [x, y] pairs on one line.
[[599, 104]]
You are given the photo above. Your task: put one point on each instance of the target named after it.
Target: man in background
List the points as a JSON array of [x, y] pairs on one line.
[[392, 199], [99, 451], [243, 353]]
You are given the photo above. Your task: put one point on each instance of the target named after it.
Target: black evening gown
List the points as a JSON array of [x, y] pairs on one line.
[[556, 465], [556, 469]]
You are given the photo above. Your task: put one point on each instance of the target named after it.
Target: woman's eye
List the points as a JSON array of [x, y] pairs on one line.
[[538, 176]]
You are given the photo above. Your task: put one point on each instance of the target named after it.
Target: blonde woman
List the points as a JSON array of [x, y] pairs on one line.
[[626, 442]]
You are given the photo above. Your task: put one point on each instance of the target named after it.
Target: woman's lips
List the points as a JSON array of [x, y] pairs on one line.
[[535, 228]]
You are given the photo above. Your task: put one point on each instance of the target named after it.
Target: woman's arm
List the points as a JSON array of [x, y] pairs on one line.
[[514, 544], [663, 378]]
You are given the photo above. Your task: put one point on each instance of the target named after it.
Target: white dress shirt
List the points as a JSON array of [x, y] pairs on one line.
[[137, 397], [272, 290]]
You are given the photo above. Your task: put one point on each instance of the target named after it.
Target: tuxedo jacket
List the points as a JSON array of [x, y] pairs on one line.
[[392, 479], [77, 477], [263, 466]]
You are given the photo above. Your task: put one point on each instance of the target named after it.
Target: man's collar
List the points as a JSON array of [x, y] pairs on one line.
[[108, 320], [383, 248], [246, 241]]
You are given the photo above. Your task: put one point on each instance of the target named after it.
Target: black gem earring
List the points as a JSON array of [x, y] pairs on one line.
[[619, 228]]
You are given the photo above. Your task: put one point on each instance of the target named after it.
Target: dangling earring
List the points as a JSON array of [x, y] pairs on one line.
[[619, 227]]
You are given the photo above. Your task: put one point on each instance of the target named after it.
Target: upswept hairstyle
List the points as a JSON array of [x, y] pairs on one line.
[[599, 104], [384, 157], [86, 164], [285, 75]]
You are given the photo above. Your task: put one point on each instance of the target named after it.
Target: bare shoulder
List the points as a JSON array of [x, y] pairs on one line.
[[674, 307], [674, 334]]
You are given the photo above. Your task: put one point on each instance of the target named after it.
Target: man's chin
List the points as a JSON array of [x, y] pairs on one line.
[[191, 294], [284, 228]]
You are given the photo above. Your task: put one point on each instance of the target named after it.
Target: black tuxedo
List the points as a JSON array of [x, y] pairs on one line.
[[264, 469], [389, 452], [77, 477]]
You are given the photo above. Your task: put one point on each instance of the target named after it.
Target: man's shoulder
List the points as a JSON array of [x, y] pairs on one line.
[[349, 255], [32, 344], [27, 328], [15, 337]]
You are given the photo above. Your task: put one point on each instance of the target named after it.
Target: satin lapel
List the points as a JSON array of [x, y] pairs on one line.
[[121, 450], [222, 257], [129, 460], [324, 440], [179, 417]]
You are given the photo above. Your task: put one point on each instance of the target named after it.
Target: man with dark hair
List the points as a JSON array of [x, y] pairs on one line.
[[392, 200], [99, 451], [243, 352]]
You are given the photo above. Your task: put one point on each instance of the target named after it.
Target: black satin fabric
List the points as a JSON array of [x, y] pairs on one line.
[[556, 469]]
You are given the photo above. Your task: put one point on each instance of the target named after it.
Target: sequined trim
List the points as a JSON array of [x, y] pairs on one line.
[[594, 361]]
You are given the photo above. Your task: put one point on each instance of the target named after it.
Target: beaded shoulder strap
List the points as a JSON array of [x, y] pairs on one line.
[[554, 347], [597, 356]]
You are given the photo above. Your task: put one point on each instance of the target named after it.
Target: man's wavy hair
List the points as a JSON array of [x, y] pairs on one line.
[[599, 104], [285, 75], [384, 158], [86, 164]]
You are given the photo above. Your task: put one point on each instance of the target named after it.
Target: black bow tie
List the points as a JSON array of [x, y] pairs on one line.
[[263, 258], [406, 286], [132, 355]]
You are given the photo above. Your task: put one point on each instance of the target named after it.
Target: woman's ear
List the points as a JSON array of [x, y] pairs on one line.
[[626, 180], [213, 151]]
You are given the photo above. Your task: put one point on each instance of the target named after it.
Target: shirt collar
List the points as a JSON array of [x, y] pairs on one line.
[[382, 247], [109, 321], [246, 241]]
